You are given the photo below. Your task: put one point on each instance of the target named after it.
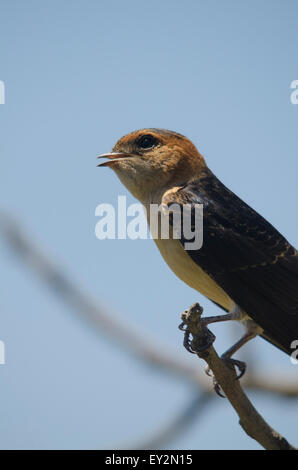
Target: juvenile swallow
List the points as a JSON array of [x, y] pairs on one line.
[[245, 265]]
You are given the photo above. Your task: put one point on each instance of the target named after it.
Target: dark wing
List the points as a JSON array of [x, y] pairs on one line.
[[247, 257]]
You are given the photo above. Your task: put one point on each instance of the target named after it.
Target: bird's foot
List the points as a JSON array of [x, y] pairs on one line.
[[216, 386], [240, 365], [235, 363], [192, 324]]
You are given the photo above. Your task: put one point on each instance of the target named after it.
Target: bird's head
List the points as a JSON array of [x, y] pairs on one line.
[[149, 161]]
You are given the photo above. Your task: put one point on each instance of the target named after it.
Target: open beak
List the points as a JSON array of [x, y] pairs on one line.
[[113, 156]]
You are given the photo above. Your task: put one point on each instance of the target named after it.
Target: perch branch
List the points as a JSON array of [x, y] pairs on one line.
[[250, 420]]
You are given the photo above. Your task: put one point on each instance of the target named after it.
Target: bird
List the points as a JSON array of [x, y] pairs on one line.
[[245, 266]]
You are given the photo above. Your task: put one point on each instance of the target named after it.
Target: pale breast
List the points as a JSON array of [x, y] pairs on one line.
[[183, 266], [189, 272]]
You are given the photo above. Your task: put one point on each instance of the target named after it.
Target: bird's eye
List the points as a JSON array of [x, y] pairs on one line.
[[147, 142]]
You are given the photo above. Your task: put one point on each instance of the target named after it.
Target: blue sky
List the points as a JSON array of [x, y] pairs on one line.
[[78, 75]]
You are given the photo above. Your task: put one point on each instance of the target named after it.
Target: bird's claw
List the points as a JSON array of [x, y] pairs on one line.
[[240, 365], [208, 371], [217, 388], [187, 342], [197, 344], [182, 326]]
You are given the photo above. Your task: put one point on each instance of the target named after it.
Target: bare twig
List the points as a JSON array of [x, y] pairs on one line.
[[251, 421]]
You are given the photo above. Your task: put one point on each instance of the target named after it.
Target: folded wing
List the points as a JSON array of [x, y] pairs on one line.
[[246, 256]]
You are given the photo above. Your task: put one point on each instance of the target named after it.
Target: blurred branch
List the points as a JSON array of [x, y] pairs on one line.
[[160, 438], [225, 377], [132, 340], [127, 336], [279, 384], [73, 295]]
